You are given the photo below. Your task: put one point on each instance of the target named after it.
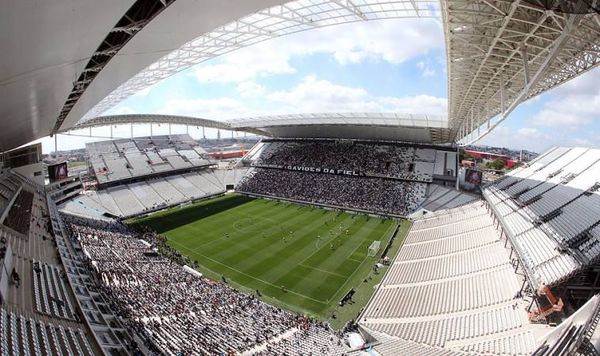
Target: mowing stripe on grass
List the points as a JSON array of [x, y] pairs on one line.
[[240, 272], [242, 239]]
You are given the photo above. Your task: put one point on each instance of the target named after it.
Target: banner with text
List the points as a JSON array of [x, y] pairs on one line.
[[313, 169]]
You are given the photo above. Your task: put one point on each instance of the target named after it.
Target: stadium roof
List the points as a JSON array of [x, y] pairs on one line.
[[501, 53], [378, 126], [59, 63], [65, 56]]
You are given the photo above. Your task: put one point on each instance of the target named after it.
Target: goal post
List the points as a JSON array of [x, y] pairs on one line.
[[373, 248]]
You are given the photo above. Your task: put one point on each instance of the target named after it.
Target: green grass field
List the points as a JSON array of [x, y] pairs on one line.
[[298, 257]]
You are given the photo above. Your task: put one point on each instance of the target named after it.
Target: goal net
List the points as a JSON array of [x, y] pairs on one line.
[[374, 248]]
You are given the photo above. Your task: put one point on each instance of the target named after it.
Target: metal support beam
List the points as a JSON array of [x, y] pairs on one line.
[[531, 304], [349, 5], [532, 81], [502, 95], [523, 285], [456, 166], [525, 64]]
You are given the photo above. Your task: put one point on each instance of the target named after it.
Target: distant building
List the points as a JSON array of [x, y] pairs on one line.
[[492, 156]]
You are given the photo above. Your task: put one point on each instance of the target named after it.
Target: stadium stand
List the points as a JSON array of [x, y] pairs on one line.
[[129, 158], [141, 175], [145, 196], [231, 177], [38, 312], [22, 335], [50, 292], [551, 211], [364, 158], [368, 194], [378, 177], [451, 290], [458, 288], [441, 198], [173, 311]]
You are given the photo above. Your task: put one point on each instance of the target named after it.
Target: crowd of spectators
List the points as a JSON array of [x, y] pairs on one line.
[[371, 159], [378, 195], [174, 311]]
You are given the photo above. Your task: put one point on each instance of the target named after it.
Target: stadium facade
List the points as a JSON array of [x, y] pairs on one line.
[[514, 271]]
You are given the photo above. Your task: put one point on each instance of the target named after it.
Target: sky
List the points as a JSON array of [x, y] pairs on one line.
[[378, 66]]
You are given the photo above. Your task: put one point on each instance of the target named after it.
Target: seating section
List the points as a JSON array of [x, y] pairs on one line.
[[185, 187], [125, 200], [137, 198], [96, 309], [50, 291], [378, 195], [166, 190], [129, 158], [9, 186], [447, 329], [475, 291], [147, 196], [39, 314], [170, 309], [441, 267], [551, 210], [22, 335], [107, 201], [370, 159], [138, 163], [205, 182], [451, 285], [312, 339], [230, 177], [440, 198]]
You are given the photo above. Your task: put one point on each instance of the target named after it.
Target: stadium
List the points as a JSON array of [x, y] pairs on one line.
[[326, 233]]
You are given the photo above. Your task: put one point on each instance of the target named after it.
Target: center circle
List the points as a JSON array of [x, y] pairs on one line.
[[254, 224]]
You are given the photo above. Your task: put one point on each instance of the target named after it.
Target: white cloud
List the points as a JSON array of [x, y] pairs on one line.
[[572, 105], [393, 41], [311, 95], [426, 69], [246, 64], [418, 104], [215, 109], [250, 89], [314, 95]]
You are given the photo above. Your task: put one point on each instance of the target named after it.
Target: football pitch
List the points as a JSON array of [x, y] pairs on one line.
[[299, 257]]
